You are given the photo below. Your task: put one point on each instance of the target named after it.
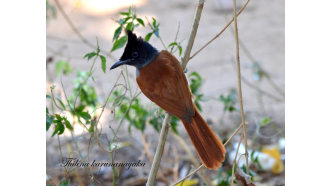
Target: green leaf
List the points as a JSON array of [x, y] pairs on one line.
[[231, 108], [117, 33], [126, 19], [91, 128], [90, 55], [130, 26], [48, 96], [49, 121], [148, 36], [67, 124], [140, 21], [62, 104], [173, 44], [177, 45], [119, 43], [196, 82], [154, 22], [59, 129], [198, 106], [85, 115], [180, 50], [265, 121], [174, 124], [58, 117], [103, 61], [124, 13]]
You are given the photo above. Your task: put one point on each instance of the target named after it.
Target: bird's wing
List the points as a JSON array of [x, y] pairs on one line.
[[164, 83]]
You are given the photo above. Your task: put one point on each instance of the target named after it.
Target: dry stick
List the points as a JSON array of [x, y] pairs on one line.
[[236, 131], [193, 33], [240, 87], [75, 30], [216, 36], [166, 126], [201, 166], [234, 162], [159, 150], [192, 173]]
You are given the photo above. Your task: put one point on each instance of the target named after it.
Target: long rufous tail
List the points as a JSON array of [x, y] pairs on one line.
[[208, 146]]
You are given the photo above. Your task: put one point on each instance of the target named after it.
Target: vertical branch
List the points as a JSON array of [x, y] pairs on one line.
[[166, 122], [192, 36], [240, 87], [159, 150]]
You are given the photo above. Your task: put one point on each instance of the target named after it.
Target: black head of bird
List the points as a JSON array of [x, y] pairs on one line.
[[137, 52]]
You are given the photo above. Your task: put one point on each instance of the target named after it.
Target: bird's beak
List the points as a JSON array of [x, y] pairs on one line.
[[118, 63]]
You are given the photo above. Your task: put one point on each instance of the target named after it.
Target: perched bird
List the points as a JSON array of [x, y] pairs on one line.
[[161, 78]]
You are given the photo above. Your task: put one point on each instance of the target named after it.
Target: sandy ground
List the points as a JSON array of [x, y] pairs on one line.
[[261, 29]]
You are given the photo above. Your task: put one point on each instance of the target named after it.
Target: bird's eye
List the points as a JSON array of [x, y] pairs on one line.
[[135, 54]]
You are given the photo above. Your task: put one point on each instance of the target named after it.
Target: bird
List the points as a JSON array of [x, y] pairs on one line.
[[161, 78]]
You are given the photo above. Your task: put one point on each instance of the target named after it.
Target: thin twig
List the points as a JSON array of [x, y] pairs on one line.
[[240, 87], [62, 157], [76, 31], [166, 125], [236, 131], [234, 162], [216, 36], [192, 173], [193, 33], [176, 36]]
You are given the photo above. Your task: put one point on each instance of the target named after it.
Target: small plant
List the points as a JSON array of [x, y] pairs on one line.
[[63, 67], [97, 54], [129, 22]]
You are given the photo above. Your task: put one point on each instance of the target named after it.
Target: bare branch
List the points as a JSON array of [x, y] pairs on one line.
[[240, 87]]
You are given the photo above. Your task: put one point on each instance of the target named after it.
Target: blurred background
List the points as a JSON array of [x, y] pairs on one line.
[[97, 114]]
